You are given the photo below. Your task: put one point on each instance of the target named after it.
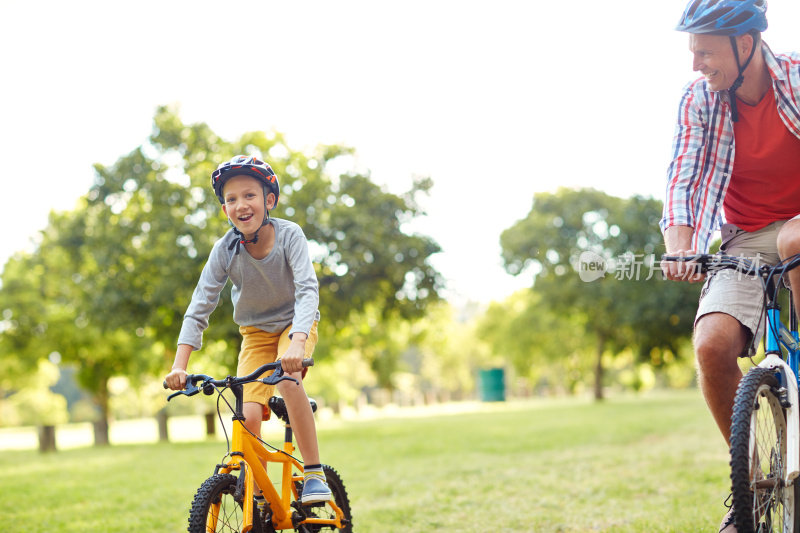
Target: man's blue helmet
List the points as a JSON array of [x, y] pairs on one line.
[[724, 17]]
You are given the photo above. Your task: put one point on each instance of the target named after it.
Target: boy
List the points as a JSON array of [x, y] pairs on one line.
[[275, 297]]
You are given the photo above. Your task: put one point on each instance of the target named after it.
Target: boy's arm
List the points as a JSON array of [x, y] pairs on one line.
[[195, 321], [204, 299], [176, 379], [306, 286], [292, 360]]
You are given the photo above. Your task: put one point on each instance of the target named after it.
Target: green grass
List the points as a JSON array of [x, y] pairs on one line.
[[654, 464]]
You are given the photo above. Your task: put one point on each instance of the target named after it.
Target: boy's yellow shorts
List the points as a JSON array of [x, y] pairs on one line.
[[260, 347]]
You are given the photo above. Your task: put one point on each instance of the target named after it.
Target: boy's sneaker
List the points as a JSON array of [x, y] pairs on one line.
[[315, 490]]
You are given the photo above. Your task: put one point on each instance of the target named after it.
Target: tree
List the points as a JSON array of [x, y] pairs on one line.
[[109, 282], [632, 308], [539, 343]]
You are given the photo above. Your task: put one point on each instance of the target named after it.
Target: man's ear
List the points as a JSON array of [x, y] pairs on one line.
[[746, 44]]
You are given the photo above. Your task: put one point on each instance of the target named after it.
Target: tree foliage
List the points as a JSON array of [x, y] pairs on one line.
[[631, 306], [109, 282]]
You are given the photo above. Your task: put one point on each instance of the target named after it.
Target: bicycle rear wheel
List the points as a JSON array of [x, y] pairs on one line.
[[215, 508], [761, 500]]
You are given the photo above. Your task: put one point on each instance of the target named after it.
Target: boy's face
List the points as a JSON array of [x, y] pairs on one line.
[[244, 202]]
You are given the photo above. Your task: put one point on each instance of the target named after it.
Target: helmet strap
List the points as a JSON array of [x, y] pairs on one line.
[[739, 79]]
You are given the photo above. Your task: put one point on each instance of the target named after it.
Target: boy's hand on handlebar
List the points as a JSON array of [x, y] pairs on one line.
[[681, 270], [292, 360], [176, 379]]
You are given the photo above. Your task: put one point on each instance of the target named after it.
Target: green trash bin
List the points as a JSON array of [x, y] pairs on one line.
[[492, 385]]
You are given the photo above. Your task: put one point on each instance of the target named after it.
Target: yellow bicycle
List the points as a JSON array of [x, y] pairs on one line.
[[225, 502]]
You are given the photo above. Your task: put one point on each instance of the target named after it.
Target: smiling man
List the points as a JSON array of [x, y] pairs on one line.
[[735, 167]]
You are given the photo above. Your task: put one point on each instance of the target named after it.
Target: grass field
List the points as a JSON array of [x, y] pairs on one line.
[[649, 464]]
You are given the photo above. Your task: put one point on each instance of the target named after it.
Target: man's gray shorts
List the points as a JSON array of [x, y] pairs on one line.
[[733, 293]]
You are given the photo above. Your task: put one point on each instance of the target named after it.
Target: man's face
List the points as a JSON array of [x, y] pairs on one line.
[[714, 59]]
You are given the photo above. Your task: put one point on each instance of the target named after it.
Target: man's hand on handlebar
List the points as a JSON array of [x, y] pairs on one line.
[[681, 270]]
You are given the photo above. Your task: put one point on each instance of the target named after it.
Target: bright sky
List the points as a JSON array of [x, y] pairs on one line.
[[495, 100]]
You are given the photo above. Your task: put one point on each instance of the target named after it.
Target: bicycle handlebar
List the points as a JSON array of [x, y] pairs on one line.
[[713, 262], [276, 377]]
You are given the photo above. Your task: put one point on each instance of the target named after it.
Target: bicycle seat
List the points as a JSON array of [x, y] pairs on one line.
[[278, 407]]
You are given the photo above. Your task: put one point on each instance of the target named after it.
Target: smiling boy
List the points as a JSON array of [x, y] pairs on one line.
[[275, 298]]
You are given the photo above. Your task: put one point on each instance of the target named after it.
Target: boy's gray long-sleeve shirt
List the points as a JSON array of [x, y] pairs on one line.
[[269, 293]]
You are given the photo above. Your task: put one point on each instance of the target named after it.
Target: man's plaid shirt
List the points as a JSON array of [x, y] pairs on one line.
[[703, 148]]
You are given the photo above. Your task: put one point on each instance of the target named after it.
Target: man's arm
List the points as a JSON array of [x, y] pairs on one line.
[[678, 241]]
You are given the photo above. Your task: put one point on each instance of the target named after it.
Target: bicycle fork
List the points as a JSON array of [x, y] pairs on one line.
[[789, 382]]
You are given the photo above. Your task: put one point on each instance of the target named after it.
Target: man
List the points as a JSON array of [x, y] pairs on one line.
[[735, 167]]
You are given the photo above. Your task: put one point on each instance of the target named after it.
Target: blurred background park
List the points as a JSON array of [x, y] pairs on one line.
[[451, 163]]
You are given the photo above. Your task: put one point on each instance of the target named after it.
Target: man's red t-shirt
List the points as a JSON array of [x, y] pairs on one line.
[[765, 186]]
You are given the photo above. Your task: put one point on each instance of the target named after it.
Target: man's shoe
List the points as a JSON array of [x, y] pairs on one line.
[[727, 525], [314, 491]]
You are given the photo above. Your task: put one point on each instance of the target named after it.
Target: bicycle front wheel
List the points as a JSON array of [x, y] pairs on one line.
[[761, 500], [215, 508]]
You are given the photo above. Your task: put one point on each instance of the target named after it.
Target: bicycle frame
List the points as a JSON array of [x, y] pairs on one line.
[[777, 335], [246, 455]]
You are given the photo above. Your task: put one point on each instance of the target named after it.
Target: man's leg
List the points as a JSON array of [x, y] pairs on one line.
[[719, 339], [788, 245]]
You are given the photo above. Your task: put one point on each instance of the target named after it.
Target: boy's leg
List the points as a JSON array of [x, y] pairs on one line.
[[258, 348], [301, 417], [297, 404], [315, 488], [253, 413]]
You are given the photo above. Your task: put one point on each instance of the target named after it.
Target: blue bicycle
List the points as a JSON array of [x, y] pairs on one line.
[[765, 426]]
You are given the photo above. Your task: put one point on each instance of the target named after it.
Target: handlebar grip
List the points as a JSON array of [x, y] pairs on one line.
[[699, 266], [165, 384], [308, 362]]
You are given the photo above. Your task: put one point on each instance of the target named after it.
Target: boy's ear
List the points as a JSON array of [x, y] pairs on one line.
[[225, 209], [270, 200]]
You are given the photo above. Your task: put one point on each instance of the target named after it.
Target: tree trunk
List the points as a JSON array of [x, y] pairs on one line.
[[101, 426], [211, 420], [47, 439], [163, 430], [101, 432], [598, 369]]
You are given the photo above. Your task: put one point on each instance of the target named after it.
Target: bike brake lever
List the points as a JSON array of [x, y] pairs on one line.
[[268, 380], [188, 392], [276, 377]]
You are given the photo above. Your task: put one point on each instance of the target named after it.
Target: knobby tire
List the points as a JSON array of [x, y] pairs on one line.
[[218, 488], [761, 502]]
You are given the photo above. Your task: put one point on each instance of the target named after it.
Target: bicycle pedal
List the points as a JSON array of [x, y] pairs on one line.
[[313, 504]]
